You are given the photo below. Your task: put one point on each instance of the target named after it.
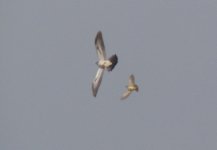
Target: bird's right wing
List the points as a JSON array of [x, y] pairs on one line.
[[125, 95], [97, 81], [131, 80], [100, 47]]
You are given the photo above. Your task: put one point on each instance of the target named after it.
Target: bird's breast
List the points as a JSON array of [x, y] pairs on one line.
[[104, 63], [131, 88]]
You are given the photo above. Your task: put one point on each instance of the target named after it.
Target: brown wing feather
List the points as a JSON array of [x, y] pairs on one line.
[[100, 47], [131, 80], [125, 95], [97, 81]]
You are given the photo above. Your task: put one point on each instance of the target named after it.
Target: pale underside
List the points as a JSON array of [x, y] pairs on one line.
[[104, 63]]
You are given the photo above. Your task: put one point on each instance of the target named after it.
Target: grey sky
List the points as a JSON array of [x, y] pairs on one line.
[[47, 63]]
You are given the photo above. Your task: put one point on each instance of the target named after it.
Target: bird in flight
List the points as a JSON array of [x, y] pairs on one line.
[[130, 87], [103, 63]]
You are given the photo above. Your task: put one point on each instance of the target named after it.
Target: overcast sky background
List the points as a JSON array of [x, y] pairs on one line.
[[47, 64]]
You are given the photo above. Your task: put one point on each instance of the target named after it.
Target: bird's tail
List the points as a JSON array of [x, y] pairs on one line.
[[114, 61]]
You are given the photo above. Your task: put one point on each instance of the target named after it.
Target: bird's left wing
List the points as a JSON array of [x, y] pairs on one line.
[[100, 47], [97, 81], [131, 80], [125, 95]]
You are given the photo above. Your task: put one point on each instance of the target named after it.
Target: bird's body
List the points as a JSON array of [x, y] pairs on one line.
[[103, 62], [132, 86]]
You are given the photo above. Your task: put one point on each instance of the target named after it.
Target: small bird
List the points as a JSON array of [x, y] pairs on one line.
[[130, 87], [103, 63]]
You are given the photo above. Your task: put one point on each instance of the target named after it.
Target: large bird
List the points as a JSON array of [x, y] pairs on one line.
[[130, 87], [103, 63]]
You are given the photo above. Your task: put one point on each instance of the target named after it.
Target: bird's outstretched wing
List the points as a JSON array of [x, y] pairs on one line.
[[100, 47], [125, 95], [97, 81], [131, 80], [114, 61]]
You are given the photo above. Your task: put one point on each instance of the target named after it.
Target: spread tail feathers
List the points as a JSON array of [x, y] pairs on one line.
[[114, 61]]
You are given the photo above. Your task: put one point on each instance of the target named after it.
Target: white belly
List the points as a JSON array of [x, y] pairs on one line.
[[104, 63]]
